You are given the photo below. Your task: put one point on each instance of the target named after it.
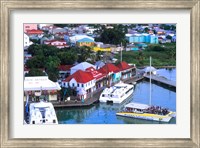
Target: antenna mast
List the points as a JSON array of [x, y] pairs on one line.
[[150, 84], [121, 51]]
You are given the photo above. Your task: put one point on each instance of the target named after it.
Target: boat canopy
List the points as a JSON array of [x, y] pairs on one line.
[[41, 105], [149, 69], [137, 106]]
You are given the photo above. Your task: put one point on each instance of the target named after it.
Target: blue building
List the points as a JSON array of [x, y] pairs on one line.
[[143, 38], [153, 39]]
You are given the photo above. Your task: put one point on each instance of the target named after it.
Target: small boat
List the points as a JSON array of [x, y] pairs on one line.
[[117, 93], [146, 112], [42, 113]]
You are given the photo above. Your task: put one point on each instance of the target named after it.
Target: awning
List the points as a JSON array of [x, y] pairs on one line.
[[40, 83]]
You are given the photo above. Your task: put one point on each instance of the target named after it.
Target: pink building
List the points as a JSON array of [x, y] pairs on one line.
[[58, 43], [30, 27]]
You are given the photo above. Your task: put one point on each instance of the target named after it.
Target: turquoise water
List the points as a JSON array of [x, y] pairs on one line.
[[101, 113]]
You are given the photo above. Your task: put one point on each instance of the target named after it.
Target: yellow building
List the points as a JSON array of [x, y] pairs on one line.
[[101, 48]]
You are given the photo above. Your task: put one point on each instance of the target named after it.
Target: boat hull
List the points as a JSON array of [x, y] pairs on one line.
[[147, 116], [42, 113], [116, 100]]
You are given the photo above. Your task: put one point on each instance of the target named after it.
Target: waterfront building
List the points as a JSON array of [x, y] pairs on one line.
[[80, 80], [33, 86], [99, 77], [112, 72], [127, 71]]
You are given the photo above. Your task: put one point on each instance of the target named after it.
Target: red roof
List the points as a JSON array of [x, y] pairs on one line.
[[108, 67], [34, 31], [64, 67], [96, 74], [123, 66], [80, 76]]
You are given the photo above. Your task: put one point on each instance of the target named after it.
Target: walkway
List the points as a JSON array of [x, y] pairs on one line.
[[162, 80]]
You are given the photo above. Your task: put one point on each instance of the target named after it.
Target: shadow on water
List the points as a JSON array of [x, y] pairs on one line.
[[171, 88]]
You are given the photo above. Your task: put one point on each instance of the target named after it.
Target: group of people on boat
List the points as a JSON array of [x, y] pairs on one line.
[[157, 110]]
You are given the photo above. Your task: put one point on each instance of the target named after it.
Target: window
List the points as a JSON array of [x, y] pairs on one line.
[[72, 84], [78, 84], [82, 85]]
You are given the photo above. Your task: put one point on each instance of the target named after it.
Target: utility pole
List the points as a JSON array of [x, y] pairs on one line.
[[121, 51]]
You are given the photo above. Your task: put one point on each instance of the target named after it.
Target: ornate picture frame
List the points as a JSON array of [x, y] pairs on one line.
[[8, 6]]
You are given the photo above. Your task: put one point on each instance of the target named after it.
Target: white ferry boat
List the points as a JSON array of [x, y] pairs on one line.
[[117, 93], [146, 112], [42, 113]]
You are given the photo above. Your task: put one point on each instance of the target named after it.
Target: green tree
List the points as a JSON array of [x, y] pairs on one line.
[[35, 41], [173, 27], [84, 53], [36, 62], [67, 57], [168, 37], [34, 48], [99, 55], [51, 62], [140, 57], [53, 74], [165, 26], [45, 50], [35, 72], [146, 30]]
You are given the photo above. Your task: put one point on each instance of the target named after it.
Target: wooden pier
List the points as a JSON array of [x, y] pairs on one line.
[[133, 79], [161, 80], [75, 103]]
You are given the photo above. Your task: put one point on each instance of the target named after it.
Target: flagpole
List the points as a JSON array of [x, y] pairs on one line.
[[121, 51], [150, 84]]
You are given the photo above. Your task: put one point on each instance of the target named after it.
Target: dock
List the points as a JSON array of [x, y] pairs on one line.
[[92, 98], [161, 80], [133, 79]]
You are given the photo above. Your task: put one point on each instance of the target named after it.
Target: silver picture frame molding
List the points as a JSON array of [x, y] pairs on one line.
[[8, 6]]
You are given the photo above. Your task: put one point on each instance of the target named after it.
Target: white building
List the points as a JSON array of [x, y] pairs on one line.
[[41, 85], [80, 80], [27, 41], [75, 38]]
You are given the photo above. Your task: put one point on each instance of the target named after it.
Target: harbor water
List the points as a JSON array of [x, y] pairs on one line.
[[102, 113]]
